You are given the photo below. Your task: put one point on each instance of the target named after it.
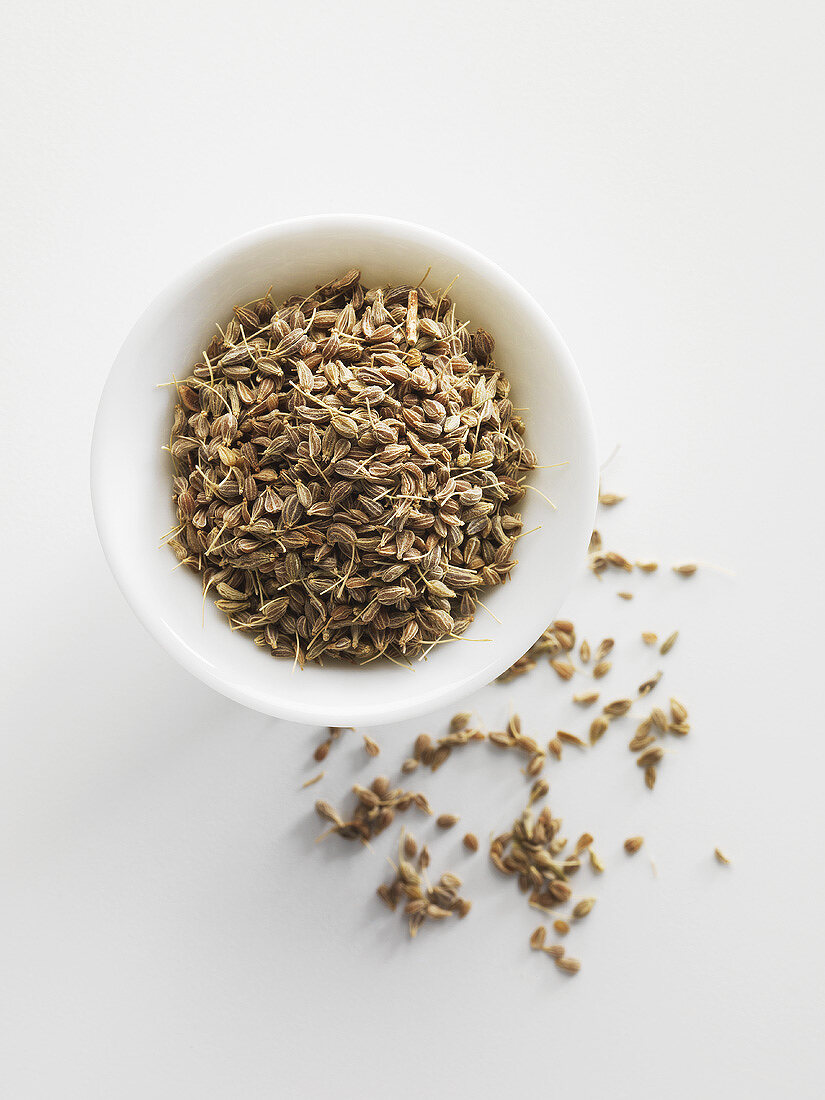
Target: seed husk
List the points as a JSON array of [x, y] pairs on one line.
[[596, 863], [446, 821], [470, 842], [633, 844], [669, 643], [720, 856], [372, 748]]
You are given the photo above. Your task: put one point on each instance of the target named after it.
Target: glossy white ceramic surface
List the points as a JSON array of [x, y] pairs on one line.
[[131, 474]]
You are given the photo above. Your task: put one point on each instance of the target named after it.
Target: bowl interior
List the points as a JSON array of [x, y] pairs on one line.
[[131, 474]]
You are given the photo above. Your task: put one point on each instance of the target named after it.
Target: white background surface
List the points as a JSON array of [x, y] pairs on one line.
[[653, 173]]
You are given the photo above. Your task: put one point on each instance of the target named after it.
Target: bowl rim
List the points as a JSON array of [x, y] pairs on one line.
[[306, 712]]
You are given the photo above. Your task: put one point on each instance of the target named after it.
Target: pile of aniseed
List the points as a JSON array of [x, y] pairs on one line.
[[533, 850], [344, 466]]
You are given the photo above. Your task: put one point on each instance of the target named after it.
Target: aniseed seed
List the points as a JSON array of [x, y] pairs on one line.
[[409, 765], [446, 821], [561, 927], [596, 863], [586, 698], [598, 727], [720, 856], [571, 739], [584, 842], [625, 595], [563, 668], [554, 745], [470, 842], [649, 638], [555, 951], [633, 844], [372, 747], [647, 566], [604, 648], [609, 499], [618, 707], [659, 718], [650, 777], [410, 846], [459, 722], [678, 711], [685, 570], [584, 652], [570, 966], [602, 669], [650, 756], [669, 643], [583, 907], [538, 937]]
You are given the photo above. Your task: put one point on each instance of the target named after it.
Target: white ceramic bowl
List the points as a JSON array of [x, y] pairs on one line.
[[131, 475]]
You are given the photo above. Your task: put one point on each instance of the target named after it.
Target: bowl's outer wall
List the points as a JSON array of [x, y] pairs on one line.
[[131, 474]]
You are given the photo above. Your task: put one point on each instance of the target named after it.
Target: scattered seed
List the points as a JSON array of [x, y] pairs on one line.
[[321, 752], [604, 647], [602, 669], [649, 638], [721, 858], [681, 729], [538, 790], [609, 499], [669, 643], [555, 951], [372, 747], [625, 595], [617, 708], [596, 863], [410, 846], [538, 937], [459, 722], [659, 718], [583, 907], [650, 756], [446, 821], [586, 698], [647, 566], [598, 728], [570, 966], [409, 765], [571, 739], [633, 844], [584, 652], [470, 842], [678, 711], [554, 745], [561, 927], [315, 779], [685, 570], [650, 777], [649, 685], [563, 668], [584, 842], [424, 858]]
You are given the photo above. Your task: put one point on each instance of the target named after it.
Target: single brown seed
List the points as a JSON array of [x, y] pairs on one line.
[[679, 728], [422, 743], [596, 863], [381, 786], [571, 739], [554, 745], [647, 566], [648, 685], [685, 570], [584, 652], [609, 499], [321, 752], [649, 638], [625, 595], [538, 790], [650, 756], [409, 765], [420, 800], [446, 821], [604, 647], [650, 777], [584, 841], [324, 810], [659, 718], [598, 727], [555, 951], [669, 643], [538, 937], [470, 842], [617, 708], [570, 966], [640, 741], [586, 698], [583, 907], [459, 722], [563, 625], [410, 846], [535, 764], [424, 858], [563, 668], [561, 927], [721, 858], [315, 779], [633, 844], [385, 894], [371, 746], [678, 711], [602, 669]]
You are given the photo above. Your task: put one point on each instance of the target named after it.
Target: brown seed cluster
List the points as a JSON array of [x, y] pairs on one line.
[[375, 810], [343, 469], [423, 901], [559, 638], [513, 738], [433, 754]]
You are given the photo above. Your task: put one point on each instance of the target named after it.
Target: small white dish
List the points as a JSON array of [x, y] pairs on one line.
[[131, 475]]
